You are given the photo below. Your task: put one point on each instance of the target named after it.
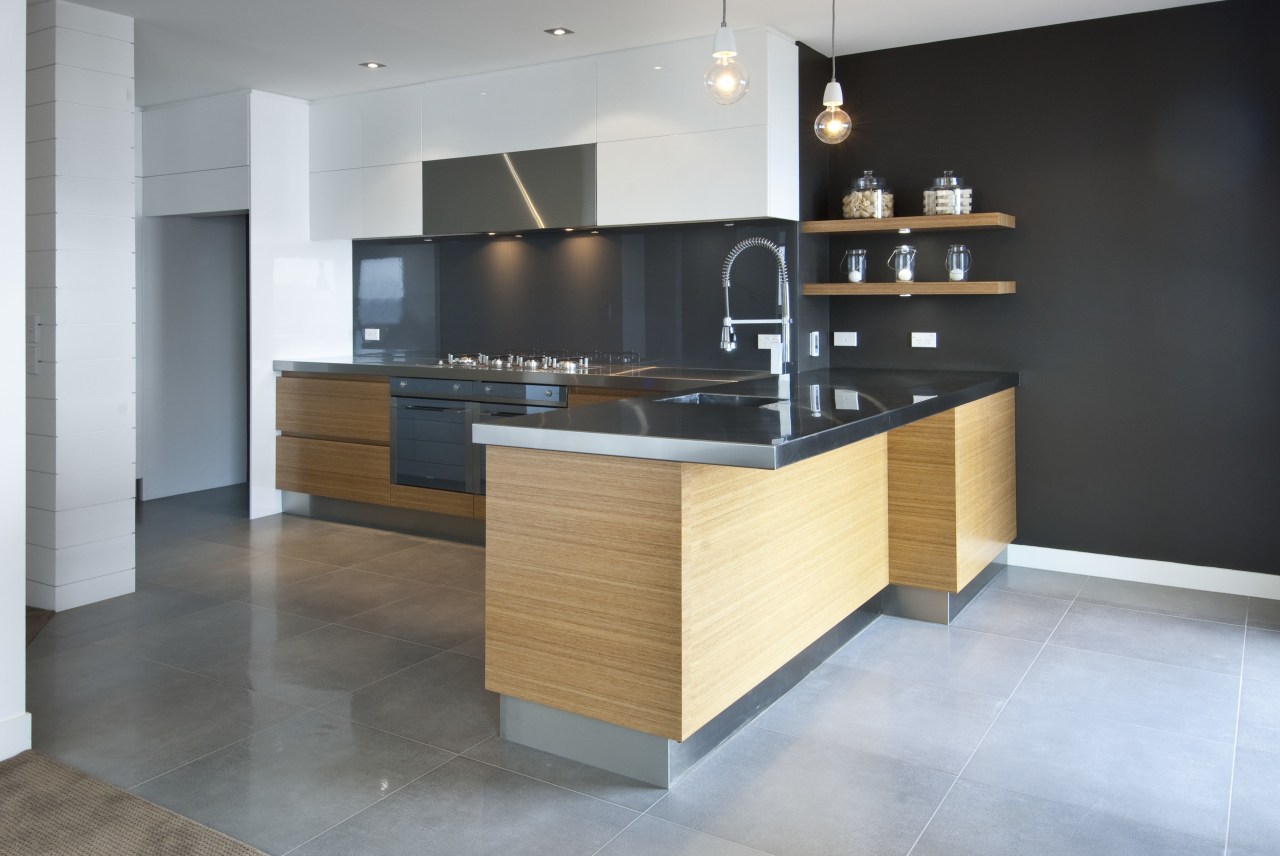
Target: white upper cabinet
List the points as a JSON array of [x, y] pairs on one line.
[[538, 107], [657, 90], [192, 136], [370, 129], [370, 202]]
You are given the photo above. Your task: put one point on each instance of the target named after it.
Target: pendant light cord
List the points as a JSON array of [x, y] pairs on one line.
[[833, 40], [724, 12]]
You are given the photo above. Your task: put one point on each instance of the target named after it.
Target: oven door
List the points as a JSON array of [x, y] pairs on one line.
[[485, 412], [430, 444]]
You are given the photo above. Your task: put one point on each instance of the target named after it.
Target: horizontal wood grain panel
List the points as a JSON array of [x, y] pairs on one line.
[[923, 289], [336, 409], [429, 499], [936, 223], [357, 471]]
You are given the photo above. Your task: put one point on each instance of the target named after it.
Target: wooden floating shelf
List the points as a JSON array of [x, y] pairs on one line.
[[940, 222], [855, 289]]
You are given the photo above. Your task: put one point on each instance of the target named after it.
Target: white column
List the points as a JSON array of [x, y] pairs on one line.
[[80, 283], [15, 722]]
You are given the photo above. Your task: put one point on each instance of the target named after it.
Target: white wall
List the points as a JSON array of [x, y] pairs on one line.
[[299, 290], [15, 722], [193, 333]]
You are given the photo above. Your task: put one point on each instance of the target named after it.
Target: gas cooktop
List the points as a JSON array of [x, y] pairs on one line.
[[566, 362]]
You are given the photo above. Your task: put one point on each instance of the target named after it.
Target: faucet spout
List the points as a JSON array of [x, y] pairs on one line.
[[728, 338]]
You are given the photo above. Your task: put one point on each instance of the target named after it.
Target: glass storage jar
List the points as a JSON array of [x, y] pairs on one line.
[[948, 195], [903, 263], [855, 265], [959, 260], [868, 197]]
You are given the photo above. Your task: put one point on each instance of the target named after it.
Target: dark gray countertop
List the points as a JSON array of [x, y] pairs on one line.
[[643, 378], [819, 411]]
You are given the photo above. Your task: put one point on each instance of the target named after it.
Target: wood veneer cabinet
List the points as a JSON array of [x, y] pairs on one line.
[[654, 594], [335, 437], [952, 494]]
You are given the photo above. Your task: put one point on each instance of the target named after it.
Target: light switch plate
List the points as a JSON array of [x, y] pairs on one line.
[[924, 340], [372, 334], [845, 340], [815, 343]]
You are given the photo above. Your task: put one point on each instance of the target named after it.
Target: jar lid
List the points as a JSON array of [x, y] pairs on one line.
[[947, 180], [869, 182], [855, 252]]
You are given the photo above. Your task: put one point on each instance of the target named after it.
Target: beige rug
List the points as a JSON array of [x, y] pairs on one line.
[[47, 809]]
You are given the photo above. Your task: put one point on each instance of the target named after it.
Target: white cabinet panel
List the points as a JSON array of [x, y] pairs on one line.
[[203, 192], [542, 106], [712, 175], [207, 133], [370, 129], [374, 202], [633, 99]]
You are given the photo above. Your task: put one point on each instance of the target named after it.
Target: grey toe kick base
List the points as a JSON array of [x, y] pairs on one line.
[[657, 760], [407, 520], [939, 607]]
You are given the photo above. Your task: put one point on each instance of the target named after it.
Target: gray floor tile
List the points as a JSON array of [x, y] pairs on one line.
[[795, 797], [162, 558], [1038, 582], [1170, 698], [546, 767], [924, 724], [335, 596], [149, 605], [212, 635], [471, 648], [649, 836], [320, 666], [1260, 717], [1255, 801], [125, 720], [1234, 850], [346, 546], [1147, 636], [289, 783], [466, 808], [1154, 777], [1261, 655], [1264, 613], [439, 616], [268, 533], [1167, 600], [1006, 613], [254, 573], [939, 655], [438, 563], [976, 820], [442, 702]]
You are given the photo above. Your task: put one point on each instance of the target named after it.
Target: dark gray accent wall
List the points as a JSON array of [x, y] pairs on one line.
[[1139, 155]]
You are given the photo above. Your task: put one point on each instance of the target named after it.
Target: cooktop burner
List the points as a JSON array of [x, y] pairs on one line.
[[568, 362]]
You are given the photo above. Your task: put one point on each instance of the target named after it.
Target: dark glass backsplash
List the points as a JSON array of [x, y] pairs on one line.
[[654, 290]]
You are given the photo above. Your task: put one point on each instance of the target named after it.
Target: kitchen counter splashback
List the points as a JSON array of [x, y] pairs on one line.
[[764, 423]]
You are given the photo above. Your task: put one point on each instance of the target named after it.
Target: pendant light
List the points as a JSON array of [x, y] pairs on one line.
[[833, 124], [726, 80]]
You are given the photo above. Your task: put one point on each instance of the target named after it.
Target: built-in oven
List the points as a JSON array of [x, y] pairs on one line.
[[431, 421]]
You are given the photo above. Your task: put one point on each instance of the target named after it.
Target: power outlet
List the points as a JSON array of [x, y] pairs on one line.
[[767, 340], [815, 343], [372, 334], [924, 340], [845, 340]]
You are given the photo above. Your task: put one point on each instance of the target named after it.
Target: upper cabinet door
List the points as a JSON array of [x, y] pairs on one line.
[[655, 91], [540, 107], [192, 136], [370, 129]]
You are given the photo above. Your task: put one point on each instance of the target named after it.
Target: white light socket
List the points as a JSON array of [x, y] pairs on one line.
[[768, 340]]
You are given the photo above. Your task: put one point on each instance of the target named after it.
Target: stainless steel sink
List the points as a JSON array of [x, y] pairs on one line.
[[722, 399]]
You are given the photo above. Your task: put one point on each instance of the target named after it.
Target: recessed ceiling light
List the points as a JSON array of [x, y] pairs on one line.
[[372, 64], [568, 230], [491, 234], [657, 68], [559, 31]]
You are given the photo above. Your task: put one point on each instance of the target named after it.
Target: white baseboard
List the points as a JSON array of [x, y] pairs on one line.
[[1174, 574], [15, 735], [58, 598]]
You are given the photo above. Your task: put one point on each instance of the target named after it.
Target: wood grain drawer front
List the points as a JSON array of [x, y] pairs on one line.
[[430, 499], [353, 410], [582, 395], [357, 471]]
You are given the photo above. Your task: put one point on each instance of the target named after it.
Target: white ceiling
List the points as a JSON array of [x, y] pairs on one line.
[[309, 48]]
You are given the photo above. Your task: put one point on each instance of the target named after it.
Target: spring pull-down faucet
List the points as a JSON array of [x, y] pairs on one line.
[[779, 355]]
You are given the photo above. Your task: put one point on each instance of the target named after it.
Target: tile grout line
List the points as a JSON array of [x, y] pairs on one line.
[[1235, 747], [990, 727]]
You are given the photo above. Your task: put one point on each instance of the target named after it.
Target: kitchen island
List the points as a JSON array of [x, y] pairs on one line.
[[658, 569]]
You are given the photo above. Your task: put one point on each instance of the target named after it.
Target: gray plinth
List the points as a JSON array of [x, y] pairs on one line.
[[939, 607]]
